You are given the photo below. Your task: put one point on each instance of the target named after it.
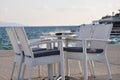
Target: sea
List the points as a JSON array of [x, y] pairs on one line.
[[35, 32]]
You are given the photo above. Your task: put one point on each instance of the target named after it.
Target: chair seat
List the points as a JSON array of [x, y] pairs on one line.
[[80, 49], [48, 52], [33, 49], [38, 49], [40, 52]]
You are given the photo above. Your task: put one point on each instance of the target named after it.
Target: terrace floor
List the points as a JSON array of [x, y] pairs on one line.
[[7, 56]]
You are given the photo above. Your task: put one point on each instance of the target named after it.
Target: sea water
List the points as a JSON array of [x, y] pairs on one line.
[[35, 33]]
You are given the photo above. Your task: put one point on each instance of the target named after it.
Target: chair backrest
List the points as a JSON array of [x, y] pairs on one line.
[[14, 41], [24, 41], [85, 32], [101, 31]]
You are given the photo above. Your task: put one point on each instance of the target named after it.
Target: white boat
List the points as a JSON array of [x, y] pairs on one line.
[[108, 19]]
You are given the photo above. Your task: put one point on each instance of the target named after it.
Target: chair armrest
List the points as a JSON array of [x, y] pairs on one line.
[[74, 39], [35, 42], [45, 41], [88, 39], [94, 39]]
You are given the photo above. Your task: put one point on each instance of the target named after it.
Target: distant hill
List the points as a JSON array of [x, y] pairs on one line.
[[6, 24]]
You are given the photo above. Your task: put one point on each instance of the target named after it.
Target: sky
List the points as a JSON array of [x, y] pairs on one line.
[[55, 12]]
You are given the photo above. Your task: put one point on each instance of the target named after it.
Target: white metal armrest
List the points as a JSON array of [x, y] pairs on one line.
[[32, 41], [88, 39], [74, 39], [43, 42], [94, 39]]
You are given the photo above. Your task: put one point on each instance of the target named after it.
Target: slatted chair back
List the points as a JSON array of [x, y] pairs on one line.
[[101, 31], [19, 57], [85, 32], [13, 38], [24, 41]]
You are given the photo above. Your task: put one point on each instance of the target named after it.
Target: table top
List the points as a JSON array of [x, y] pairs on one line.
[[60, 35]]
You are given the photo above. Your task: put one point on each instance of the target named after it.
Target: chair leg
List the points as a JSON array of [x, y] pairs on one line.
[[92, 68], [62, 69], [108, 68], [30, 72], [19, 70], [13, 68], [23, 72], [67, 67], [80, 67], [54, 70], [39, 71], [59, 68], [50, 71], [85, 69]]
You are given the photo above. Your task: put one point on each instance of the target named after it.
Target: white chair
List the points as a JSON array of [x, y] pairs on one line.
[[99, 42], [85, 32], [19, 56], [96, 50], [16, 47], [48, 56]]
